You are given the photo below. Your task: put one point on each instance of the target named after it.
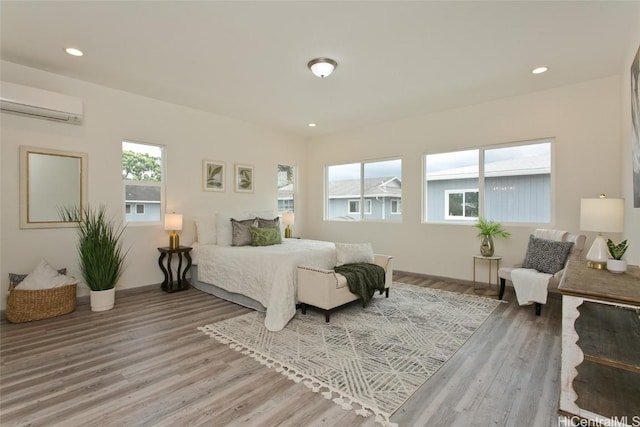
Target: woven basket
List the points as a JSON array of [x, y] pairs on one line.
[[30, 305]]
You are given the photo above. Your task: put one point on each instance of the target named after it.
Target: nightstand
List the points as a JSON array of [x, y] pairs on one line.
[[180, 283]]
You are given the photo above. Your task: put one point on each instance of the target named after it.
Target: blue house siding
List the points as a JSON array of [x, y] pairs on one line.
[[518, 198], [380, 209]]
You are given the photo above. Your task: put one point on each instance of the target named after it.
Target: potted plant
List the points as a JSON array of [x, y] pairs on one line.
[[617, 264], [488, 231], [101, 254]]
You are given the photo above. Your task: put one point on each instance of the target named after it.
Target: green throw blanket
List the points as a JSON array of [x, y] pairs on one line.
[[363, 279]]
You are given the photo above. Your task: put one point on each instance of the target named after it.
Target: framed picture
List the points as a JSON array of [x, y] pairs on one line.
[[212, 175], [244, 178]]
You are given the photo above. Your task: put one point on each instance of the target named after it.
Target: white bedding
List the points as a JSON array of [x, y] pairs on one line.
[[266, 274]]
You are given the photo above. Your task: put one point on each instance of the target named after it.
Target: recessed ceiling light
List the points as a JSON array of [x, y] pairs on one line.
[[311, 125], [539, 70], [73, 51]]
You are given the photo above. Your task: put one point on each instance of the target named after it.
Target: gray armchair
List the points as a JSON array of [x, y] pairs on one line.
[[578, 246]]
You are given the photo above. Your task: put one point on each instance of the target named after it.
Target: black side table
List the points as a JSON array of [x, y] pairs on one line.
[[180, 283]]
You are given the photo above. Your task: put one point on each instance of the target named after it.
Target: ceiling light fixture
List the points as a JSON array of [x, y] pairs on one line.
[[322, 67], [539, 70], [311, 125], [73, 51]]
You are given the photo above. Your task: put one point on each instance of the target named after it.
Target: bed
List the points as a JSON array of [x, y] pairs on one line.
[[262, 278]]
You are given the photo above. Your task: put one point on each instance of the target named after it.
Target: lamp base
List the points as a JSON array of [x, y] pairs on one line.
[[174, 240], [597, 265], [287, 232]]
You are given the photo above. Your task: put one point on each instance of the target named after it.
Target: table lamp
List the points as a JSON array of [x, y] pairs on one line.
[[173, 222], [604, 216], [288, 219]]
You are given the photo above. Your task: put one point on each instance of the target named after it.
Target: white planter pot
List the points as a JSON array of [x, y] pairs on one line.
[[616, 266], [103, 300]]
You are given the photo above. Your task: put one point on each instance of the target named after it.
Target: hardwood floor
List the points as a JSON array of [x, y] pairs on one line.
[[144, 363]]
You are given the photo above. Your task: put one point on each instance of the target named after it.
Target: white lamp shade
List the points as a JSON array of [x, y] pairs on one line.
[[173, 222], [602, 215], [288, 218]]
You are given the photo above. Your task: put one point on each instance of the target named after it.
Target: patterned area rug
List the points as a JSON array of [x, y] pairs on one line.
[[370, 360]]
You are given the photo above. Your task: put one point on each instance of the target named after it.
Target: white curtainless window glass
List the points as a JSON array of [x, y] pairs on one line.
[[508, 183], [364, 191], [142, 177]]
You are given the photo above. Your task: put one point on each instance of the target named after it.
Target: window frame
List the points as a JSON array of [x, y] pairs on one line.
[[161, 184], [464, 192], [362, 199], [398, 203], [291, 203], [349, 211], [481, 182]]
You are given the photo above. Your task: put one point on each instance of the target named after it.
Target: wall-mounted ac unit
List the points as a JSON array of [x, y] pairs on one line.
[[39, 103]]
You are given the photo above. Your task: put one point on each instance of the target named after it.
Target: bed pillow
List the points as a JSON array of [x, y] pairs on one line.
[[265, 236], [269, 223], [546, 256], [350, 253], [223, 226], [206, 231], [44, 277], [240, 233]]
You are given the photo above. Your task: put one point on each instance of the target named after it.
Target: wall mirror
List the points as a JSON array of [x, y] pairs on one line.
[[49, 181]]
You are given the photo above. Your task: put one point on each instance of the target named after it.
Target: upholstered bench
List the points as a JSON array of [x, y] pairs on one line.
[[327, 289]]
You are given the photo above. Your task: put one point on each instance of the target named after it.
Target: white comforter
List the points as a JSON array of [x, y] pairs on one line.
[[266, 273]]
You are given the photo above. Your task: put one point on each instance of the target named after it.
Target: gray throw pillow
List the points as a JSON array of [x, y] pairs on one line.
[[546, 256], [269, 223], [240, 231]]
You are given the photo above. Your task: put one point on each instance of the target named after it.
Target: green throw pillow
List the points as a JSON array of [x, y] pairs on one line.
[[265, 236]]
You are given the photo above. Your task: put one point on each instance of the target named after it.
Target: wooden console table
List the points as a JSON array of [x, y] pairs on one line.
[[600, 367]]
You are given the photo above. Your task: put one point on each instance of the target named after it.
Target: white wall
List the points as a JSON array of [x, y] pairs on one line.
[[111, 116], [584, 119], [631, 214]]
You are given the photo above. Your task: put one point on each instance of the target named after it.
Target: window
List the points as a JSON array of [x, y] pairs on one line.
[[509, 183], [376, 186], [461, 204], [354, 206], [396, 206], [142, 176], [286, 188]]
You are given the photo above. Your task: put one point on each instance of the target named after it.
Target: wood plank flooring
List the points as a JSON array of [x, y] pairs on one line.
[[144, 363]]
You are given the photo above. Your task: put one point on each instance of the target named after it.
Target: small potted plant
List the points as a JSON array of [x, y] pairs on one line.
[[617, 264], [488, 231]]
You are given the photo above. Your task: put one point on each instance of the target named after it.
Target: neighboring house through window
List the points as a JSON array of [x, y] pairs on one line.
[[286, 188], [507, 183], [376, 186]]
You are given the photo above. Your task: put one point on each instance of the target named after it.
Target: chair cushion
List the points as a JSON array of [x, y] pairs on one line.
[[546, 256]]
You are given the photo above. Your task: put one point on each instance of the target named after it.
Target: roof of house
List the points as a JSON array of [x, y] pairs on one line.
[[520, 166], [373, 187], [142, 193]]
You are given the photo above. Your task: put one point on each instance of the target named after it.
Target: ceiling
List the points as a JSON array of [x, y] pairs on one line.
[[248, 60]]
